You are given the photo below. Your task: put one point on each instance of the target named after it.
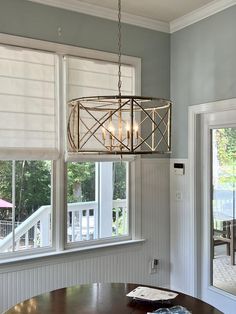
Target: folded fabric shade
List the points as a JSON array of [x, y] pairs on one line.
[[5, 204]]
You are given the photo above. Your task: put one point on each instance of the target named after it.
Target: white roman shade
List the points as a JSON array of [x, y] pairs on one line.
[[91, 77], [28, 104]]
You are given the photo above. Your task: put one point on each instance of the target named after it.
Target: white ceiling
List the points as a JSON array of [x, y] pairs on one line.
[[162, 10], [161, 15]]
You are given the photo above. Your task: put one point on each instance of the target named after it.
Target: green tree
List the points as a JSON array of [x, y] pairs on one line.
[[226, 154], [32, 188], [33, 184], [226, 145], [80, 181], [119, 180], [5, 187]]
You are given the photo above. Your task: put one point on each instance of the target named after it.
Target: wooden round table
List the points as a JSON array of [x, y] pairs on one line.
[[102, 298]]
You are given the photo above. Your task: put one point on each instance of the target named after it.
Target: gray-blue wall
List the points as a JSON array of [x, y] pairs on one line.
[[24, 18], [203, 69]]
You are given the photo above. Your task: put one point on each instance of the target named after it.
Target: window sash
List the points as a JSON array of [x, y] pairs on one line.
[[102, 206]]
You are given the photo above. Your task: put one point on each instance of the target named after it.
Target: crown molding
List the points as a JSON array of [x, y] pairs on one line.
[[175, 25], [94, 10], [200, 14]]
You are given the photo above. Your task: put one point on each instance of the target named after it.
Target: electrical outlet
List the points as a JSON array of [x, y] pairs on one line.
[[59, 31], [154, 265], [178, 196]]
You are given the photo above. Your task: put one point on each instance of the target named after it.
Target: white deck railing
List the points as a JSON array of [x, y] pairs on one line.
[[120, 223], [82, 221], [33, 232], [6, 228], [82, 224]]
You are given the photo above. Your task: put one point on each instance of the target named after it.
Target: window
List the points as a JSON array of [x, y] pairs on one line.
[[28, 145], [99, 191], [34, 186], [25, 215], [97, 195]]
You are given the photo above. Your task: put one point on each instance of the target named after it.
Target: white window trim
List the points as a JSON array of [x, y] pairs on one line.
[[58, 193]]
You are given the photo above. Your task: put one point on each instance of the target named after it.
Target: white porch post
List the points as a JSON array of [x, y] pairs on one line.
[[105, 199], [96, 228], [45, 228]]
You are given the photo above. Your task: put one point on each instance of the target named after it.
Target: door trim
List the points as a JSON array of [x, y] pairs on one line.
[[193, 113]]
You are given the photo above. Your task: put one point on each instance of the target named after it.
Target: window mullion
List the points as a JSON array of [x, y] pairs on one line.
[[60, 219], [13, 202], [97, 199]]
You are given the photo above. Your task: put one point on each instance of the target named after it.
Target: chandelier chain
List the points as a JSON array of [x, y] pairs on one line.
[[119, 48]]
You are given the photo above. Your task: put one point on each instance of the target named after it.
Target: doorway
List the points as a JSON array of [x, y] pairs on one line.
[[211, 171]]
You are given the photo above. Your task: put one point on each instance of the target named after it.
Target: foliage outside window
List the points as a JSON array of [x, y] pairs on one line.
[[80, 182], [223, 175], [226, 154], [27, 185]]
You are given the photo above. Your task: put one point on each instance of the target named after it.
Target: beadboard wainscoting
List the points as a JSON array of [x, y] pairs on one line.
[[181, 226], [127, 263]]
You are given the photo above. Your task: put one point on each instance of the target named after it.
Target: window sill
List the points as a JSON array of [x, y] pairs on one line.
[[27, 261]]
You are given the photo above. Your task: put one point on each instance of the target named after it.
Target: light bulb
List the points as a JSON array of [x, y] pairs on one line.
[[135, 130], [111, 129], [104, 133], [127, 130]]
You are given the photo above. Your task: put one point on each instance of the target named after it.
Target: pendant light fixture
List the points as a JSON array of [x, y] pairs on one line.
[[119, 124]]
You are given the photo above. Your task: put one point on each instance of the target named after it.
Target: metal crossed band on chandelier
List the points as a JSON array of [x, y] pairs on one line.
[[119, 124]]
